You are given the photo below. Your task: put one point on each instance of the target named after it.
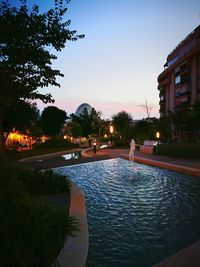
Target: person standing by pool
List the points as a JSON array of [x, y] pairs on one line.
[[132, 149]]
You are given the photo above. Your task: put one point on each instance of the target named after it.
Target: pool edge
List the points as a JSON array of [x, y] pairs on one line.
[[187, 257], [165, 165], [75, 249]]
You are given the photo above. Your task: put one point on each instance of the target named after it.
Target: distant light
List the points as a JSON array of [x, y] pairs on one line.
[[65, 137], [105, 135], [111, 129], [157, 135]]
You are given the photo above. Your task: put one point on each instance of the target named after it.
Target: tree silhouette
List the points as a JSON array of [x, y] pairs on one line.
[[147, 108], [26, 41], [52, 120], [122, 122], [20, 116]]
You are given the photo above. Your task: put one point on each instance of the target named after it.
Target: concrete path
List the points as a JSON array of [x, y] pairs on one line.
[[189, 166], [53, 160]]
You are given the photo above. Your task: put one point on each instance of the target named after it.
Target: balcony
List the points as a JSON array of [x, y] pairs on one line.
[[163, 82]]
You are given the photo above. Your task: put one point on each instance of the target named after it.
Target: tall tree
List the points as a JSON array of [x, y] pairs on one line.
[[76, 129], [90, 121], [123, 124], [20, 116], [26, 39], [141, 131], [52, 120]]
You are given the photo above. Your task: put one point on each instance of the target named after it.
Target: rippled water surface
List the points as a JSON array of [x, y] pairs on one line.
[[137, 214]]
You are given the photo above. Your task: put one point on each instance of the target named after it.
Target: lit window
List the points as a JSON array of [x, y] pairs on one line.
[[177, 79]]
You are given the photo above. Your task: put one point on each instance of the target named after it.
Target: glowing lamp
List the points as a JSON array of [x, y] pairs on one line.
[[157, 135], [111, 129]]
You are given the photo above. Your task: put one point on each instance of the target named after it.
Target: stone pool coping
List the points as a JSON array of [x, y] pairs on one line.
[[191, 167], [187, 257], [165, 165], [75, 249]]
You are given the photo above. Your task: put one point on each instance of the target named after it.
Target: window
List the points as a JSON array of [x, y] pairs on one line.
[[177, 79], [177, 69]]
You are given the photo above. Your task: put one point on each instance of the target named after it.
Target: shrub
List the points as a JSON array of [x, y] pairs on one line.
[[182, 150], [36, 182], [55, 144], [32, 232]]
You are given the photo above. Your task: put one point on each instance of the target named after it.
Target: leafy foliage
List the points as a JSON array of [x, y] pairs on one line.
[[27, 40], [123, 124], [32, 232], [90, 122], [76, 129], [36, 182], [25, 58], [182, 150], [20, 116], [52, 120]]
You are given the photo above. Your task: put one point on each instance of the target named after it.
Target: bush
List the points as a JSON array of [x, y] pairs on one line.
[[182, 150], [121, 143], [58, 143], [36, 182], [32, 232]]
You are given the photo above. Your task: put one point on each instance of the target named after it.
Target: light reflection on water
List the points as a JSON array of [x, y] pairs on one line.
[[137, 214], [75, 155]]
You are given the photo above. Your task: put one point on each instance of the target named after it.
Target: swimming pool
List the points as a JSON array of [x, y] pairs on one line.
[[137, 214]]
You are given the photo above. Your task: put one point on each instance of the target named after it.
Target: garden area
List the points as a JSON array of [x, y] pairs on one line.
[[33, 228], [35, 220]]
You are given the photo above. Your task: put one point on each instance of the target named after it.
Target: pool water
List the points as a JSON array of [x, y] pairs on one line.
[[137, 214]]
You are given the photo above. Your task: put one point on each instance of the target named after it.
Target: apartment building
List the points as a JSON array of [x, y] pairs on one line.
[[179, 83]]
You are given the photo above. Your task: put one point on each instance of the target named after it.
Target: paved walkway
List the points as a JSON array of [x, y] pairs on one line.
[[191, 166]]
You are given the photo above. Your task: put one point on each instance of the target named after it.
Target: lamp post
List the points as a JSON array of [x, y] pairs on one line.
[[95, 147], [111, 135]]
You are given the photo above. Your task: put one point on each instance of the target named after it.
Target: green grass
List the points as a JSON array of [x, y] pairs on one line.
[[182, 150], [32, 232]]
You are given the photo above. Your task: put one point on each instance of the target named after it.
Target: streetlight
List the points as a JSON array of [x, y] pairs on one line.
[[157, 135], [111, 134]]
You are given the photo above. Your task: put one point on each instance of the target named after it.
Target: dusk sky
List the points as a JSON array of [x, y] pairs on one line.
[[115, 67]]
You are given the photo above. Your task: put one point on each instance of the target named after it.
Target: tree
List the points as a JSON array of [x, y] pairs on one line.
[[141, 131], [163, 126], [123, 124], [147, 108], [76, 129], [20, 116], [90, 122], [52, 120], [26, 39]]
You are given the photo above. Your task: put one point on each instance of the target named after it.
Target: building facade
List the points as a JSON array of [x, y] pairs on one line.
[[179, 83]]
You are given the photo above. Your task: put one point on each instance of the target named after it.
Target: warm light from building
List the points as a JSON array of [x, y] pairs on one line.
[[65, 136], [43, 138], [15, 137], [105, 136]]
